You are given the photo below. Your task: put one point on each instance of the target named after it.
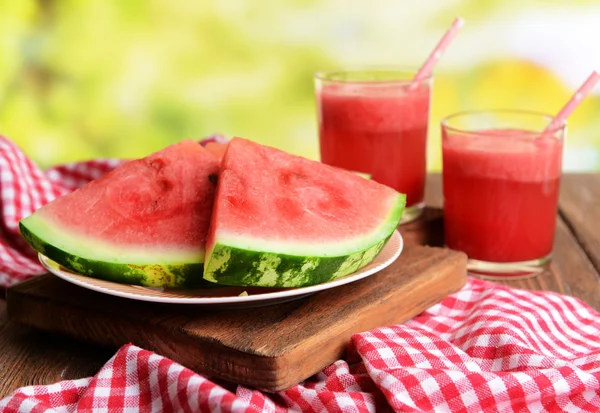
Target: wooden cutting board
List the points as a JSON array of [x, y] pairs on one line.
[[269, 348]]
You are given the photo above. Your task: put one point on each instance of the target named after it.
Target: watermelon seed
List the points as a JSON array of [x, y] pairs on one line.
[[157, 164], [165, 184]]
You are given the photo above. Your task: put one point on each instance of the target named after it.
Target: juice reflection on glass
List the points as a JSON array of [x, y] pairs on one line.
[[375, 122], [501, 184]]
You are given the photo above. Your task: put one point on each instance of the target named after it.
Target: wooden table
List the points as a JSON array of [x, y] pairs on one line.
[[30, 357]]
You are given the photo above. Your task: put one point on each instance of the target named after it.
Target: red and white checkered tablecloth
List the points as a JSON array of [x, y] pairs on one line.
[[486, 348]]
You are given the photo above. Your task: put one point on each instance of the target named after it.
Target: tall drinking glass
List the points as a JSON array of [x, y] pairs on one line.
[[374, 121], [501, 179]]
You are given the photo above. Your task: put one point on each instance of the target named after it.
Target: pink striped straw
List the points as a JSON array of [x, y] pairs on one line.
[[575, 100], [435, 55]]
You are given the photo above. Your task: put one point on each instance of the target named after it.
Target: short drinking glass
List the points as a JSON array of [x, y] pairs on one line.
[[501, 178], [374, 121]]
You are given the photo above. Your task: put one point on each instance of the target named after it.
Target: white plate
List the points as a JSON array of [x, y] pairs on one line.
[[224, 296]]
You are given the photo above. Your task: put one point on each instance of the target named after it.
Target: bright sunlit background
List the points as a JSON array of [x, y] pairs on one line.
[[105, 78]]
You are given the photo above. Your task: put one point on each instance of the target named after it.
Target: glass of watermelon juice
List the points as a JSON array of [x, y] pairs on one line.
[[374, 121], [501, 180]]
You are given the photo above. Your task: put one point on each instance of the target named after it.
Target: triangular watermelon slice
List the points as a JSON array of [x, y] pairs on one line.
[[143, 223], [286, 221]]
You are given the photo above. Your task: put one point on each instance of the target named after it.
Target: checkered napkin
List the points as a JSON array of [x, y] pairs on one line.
[[486, 348]]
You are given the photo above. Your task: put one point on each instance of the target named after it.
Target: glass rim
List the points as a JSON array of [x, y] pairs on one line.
[[444, 121], [325, 75]]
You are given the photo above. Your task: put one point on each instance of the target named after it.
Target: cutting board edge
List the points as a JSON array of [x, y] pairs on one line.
[[35, 316], [32, 313], [459, 279]]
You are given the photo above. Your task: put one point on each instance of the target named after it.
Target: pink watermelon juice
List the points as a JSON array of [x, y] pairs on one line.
[[501, 191], [377, 127]]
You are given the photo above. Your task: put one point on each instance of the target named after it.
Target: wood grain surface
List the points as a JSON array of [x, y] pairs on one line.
[[579, 201], [28, 356]]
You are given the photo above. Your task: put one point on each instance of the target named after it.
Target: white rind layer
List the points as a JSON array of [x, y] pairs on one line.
[[80, 246]]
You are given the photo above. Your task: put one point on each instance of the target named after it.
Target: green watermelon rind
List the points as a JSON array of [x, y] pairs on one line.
[[231, 265], [185, 274], [237, 267]]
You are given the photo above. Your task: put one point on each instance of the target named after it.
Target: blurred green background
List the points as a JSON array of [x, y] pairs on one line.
[[98, 78]]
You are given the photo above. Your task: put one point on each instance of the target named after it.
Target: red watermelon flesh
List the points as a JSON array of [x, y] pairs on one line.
[[164, 199], [268, 193]]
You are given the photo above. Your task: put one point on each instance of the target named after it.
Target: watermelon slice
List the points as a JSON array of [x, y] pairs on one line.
[[286, 221], [144, 223]]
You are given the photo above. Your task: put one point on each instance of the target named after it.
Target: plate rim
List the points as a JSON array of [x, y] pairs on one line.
[[277, 295]]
